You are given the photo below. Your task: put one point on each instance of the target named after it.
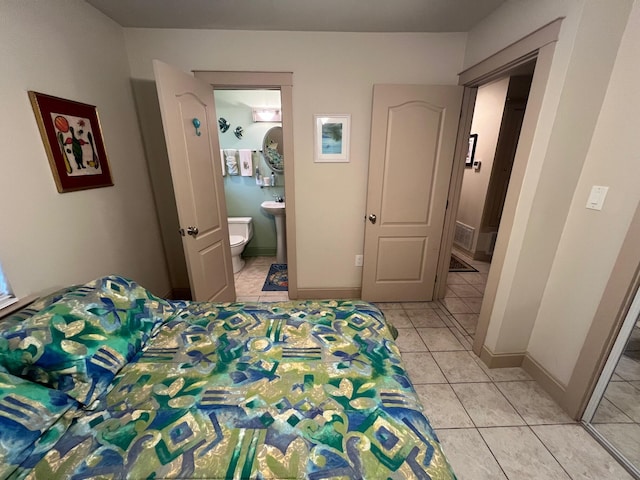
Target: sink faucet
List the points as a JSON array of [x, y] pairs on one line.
[[279, 198]]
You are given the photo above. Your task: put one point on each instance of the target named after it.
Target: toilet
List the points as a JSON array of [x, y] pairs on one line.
[[240, 232]]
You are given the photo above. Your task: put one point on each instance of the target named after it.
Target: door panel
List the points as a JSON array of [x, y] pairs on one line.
[[197, 181], [397, 259], [413, 133]]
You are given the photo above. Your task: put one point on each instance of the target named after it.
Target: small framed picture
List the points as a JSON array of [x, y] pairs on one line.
[[73, 140], [331, 138], [471, 153]]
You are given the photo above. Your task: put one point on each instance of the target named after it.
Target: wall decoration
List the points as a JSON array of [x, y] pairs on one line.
[[223, 124], [73, 140], [471, 153], [331, 138], [238, 132]]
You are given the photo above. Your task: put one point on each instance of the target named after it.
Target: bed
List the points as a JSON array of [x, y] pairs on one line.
[[106, 380]]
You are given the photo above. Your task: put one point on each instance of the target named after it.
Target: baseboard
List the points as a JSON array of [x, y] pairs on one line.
[[259, 252], [501, 360], [547, 381], [328, 293], [482, 257]]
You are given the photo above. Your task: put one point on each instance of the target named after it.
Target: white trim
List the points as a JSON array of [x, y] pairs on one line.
[[6, 300]]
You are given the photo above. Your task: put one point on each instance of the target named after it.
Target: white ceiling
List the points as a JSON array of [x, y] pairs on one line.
[[301, 15]]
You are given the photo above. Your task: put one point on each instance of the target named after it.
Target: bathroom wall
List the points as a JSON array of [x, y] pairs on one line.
[[242, 194]]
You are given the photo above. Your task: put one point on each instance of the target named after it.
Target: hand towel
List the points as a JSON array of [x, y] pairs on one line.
[[232, 161], [224, 165], [246, 165]]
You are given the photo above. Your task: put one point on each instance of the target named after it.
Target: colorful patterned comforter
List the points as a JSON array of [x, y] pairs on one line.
[[289, 390]]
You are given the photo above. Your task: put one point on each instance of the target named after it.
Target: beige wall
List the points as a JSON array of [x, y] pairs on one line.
[[487, 118], [68, 49], [333, 73], [579, 79], [592, 239]]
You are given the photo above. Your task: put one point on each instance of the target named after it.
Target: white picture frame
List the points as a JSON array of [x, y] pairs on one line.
[[332, 134]]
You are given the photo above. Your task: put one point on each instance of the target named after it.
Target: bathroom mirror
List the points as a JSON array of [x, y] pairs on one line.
[[272, 149]]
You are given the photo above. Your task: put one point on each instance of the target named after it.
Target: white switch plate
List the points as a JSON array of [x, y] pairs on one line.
[[359, 260], [597, 196]]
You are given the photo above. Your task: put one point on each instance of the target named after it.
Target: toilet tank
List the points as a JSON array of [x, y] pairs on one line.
[[241, 226]]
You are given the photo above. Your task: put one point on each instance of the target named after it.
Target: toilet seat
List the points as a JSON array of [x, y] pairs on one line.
[[236, 240]]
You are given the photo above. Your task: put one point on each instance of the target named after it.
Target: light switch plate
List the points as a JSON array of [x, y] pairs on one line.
[[596, 197], [359, 260]]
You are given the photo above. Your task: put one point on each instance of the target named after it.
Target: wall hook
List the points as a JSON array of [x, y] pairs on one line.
[[196, 123]]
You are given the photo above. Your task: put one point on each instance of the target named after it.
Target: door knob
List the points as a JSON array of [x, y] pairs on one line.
[[193, 231], [373, 218]]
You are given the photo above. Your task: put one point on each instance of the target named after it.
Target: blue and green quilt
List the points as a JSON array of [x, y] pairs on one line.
[[312, 389]]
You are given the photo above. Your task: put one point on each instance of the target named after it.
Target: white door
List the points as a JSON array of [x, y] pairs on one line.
[[413, 135], [197, 181]]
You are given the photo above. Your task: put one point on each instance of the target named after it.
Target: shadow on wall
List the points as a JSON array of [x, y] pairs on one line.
[[146, 99]]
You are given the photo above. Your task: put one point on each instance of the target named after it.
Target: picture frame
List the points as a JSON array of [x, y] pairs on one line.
[[471, 153], [72, 138], [332, 138]]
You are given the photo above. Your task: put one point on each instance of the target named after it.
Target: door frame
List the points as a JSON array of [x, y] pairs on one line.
[[283, 81], [538, 46]]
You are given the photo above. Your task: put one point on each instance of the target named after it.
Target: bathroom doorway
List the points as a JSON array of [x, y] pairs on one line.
[[247, 119]]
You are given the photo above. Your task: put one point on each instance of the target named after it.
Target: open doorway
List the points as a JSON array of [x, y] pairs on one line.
[[495, 130], [248, 123], [281, 82]]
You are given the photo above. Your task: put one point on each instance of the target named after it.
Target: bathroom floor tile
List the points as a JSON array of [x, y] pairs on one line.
[[533, 403], [474, 304], [247, 299], [521, 454], [628, 369], [625, 437], [397, 317], [607, 412], [425, 317], [468, 321], [422, 368], [468, 454], [442, 407], [455, 305], [626, 397], [439, 339], [454, 278], [464, 290], [486, 406], [579, 453], [459, 367], [409, 341]]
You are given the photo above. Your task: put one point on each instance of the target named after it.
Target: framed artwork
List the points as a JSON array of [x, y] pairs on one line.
[[471, 153], [73, 140], [331, 138]]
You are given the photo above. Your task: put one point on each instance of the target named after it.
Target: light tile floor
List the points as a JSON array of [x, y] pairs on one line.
[[493, 424], [250, 280]]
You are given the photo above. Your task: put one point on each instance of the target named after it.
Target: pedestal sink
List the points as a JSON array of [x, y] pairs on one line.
[[277, 209]]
